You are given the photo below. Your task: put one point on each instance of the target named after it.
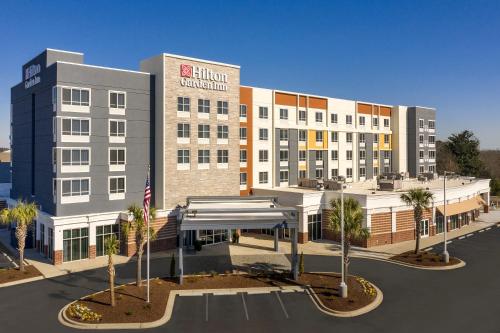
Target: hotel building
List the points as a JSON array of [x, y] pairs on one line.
[[83, 137]]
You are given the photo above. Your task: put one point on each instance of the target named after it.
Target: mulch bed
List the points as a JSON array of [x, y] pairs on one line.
[[326, 287], [424, 258], [130, 300], [14, 274]]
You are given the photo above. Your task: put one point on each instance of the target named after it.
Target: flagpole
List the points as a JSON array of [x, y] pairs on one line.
[[147, 251]]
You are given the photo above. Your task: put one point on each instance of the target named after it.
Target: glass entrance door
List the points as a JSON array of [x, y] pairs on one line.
[[314, 226], [424, 228]]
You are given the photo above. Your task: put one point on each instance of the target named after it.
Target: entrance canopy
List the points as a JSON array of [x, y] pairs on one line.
[[250, 212], [461, 207]]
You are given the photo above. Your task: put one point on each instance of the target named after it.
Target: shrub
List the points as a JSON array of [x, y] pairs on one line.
[[368, 289], [83, 313]]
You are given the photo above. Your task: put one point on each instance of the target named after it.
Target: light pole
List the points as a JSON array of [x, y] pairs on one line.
[[343, 285], [446, 255]]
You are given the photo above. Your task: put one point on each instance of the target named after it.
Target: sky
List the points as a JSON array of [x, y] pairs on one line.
[[442, 54]]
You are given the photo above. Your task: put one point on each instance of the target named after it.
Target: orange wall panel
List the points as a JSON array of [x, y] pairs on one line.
[[365, 108], [302, 101], [385, 111], [318, 103], [285, 99]]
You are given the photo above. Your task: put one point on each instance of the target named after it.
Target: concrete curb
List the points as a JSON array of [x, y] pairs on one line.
[[346, 314], [13, 283], [66, 321], [429, 268]]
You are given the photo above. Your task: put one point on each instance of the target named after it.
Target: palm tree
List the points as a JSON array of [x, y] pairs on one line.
[[111, 247], [23, 214], [140, 227], [420, 199], [353, 224]]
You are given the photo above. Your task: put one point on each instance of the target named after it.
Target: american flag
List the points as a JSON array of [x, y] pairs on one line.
[[147, 199]]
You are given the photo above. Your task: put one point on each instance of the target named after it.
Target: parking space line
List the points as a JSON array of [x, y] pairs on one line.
[[282, 305], [490, 228], [461, 237], [428, 249], [482, 230], [469, 235], [245, 306], [206, 307], [448, 242]]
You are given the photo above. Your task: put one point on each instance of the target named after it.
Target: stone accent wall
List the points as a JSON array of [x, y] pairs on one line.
[[92, 252], [58, 257]]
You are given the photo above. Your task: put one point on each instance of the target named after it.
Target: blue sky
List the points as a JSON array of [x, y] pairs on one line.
[[444, 54]]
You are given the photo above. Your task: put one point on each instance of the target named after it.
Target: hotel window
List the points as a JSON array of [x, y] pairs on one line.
[[375, 154], [243, 156], [375, 122], [348, 154], [302, 135], [222, 107], [183, 156], [284, 114], [79, 127], [375, 138], [302, 174], [362, 137], [348, 119], [302, 115], [263, 112], [432, 124], [335, 155], [335, 136], [387, 169], [76, 96], [117, 128], [349, 172], [302, 155], [75, 156], [421, 138], [243, 178], [319, 173], [243, 133], [283, 135], [222, 132], [103, 233], [203, 131], [243, 111], [432, 139], [362, 154], [183, 130], [334, 118], [283, 155], [386, 139], [183, 104], [263, 134], [386, 122], [75, 244], [432, 154], [375, 171], [203, 156], [75, 187], [420, 123], [348, 137], [263, 156], [387, 154], [283, 176], [116, 185], [421, 169], [421, 154], [362, 172], [319, 155], [117, 156], [432, 168], [222, 156], [263, 177], [117, 100], [362, 121], [319, 117], [319, 136], [335, 173], [203, 105]]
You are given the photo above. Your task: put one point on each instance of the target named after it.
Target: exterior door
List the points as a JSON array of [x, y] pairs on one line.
[[314, 226], [42, 239], [424, 228]]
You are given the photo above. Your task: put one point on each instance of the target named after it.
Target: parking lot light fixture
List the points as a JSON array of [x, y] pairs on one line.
[[343, 285], [446, 255]]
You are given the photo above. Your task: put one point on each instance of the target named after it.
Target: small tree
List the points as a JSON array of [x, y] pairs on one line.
[[172, 266], [420, 199], [23, 214], [353, 224], [140, 227], [111, 247]]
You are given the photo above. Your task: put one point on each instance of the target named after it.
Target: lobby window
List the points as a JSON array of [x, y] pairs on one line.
[[348, 137], [78, 127], [116, 185], [117, 156], [203, 105], [348, 119], [243, 178], [183, 104], [334, 118], [362, 154], [375, 154], [335, 155], [222, 131], [432, 154], [222, 156], [386, 122], [283, 176], [387, 169], [319, 117], [117, 100], [222, 107], [375, 121], [302, 135], [103, 233], [76, 96], [263, 155], [203, 156], [335, 136], [421, 123], [283, 155], [284, 114], [183, 130], [263, 112], [349, 172], [302, 115], [243, 156], [117, 128], [283, 135], [319, 155], [203, 131], [432, 124], [432, 139], [386, 139], [75, 187], [75, 244], [75, 156], [362, 121], [421, 139], [335, 173], [302, 155], [243, 111], [348, 154], [319, 136], [432, 168], [362, 172], [302, 174], [243, 133], [421, 169], [263, 134], [319, 173], [375, 138], [362, 137], [421, 154], [183, 156], [263, 178]]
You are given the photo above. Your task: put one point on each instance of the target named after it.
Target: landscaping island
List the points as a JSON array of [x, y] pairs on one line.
[[14, 274], [132, 308], [425, 258]]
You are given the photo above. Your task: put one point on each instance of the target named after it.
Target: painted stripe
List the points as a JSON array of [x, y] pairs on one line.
[[282, 305], [461, 237], [482, 230], [245, 306], [428, 249], [469, 235], [448, 242], [206, 307]]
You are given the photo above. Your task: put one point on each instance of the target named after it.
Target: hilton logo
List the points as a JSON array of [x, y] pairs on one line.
[[31, 76], [203, 78]]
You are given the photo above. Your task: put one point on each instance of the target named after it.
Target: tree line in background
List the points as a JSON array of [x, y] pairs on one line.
[[461, 154]]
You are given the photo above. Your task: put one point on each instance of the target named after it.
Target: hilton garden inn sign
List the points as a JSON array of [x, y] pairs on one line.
[[202, 78], [31, 76]]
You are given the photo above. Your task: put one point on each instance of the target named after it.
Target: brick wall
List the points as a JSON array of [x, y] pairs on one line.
[[381, 229], [58, 257]]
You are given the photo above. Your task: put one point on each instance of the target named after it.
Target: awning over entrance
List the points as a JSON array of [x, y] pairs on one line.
[[461, 207]]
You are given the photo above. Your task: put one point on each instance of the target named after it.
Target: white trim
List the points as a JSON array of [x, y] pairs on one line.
[[117, 111], [101, 67], [74, 198], [203, 166], [200, 60], [183, 166], [116, 167], [222, 165], [63, 51], [117, 139], [120, 195]]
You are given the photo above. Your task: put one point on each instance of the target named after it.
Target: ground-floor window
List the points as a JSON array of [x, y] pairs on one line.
[[282, 232], [75, 244], [103, 233], [314, 226], [439, 224], [42, 238], [50, 243], [424, 228], [208, 237], [453, 222]]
